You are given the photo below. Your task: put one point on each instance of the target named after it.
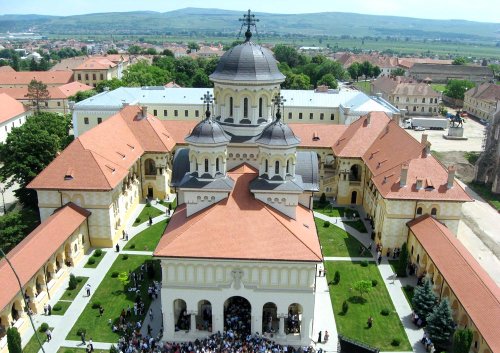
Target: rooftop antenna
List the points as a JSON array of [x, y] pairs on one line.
[[207, 99], [279, 103], [248, 20]]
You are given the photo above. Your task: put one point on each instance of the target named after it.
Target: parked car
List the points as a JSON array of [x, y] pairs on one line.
[[420, 128]]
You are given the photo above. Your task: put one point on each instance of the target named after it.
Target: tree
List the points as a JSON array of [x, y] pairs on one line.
[[112, 84], [424, 299], [82, 95], [200, 79], [12, 230], [328, 80], [151, 51], [193, 46], [287, 54], [459, 61], [112, 51], [14, 340], [297, 81], [30, 148], [402, 262], [354, 71], [462, 340], [366, 69], [144, 74], [15, 62], [37, 94], [167, 52], [376, 71], [457, 88], [33, 65], [362, 286], [398, 72], [73, 282], [134, 49], [440, 325]]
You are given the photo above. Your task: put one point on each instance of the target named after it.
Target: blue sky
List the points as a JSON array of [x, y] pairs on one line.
[[477, 10]]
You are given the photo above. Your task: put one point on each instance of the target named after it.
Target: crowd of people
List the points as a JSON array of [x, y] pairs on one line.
[[237, 316]]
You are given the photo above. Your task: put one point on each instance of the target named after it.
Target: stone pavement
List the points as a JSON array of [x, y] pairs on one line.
[[393, 284], [62, 324]]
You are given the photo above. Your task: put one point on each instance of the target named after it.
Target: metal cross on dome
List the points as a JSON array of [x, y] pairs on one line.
[[279, 102], [207, 99], [248, 20]]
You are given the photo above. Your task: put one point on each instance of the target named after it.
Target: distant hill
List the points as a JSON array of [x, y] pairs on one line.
[[225, 23]]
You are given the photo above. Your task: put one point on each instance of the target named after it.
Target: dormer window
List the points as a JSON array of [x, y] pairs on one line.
[[68, 175]]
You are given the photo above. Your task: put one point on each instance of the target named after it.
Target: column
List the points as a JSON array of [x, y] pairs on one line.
[[193, 321], [281, 331]]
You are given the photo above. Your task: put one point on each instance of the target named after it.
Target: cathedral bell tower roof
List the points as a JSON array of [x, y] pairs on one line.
[[278, 133]]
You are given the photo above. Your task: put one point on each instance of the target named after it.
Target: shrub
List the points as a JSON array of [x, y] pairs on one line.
[[96, 304], [374, 282], [326, 224], [57, 307], [80, 331], [115, 274], [132, 246], [98, 253], [384, 312], [364, 263], [151, 270], [345, 307], [73, 283], [13, 340], [44, 327], [91, 261], [336, 277], [396, 342], [79, 279], [322, 199], [125, 257], [113, 349], [138, 220]]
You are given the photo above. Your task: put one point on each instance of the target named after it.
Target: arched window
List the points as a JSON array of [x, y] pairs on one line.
[[434, 211], [419, 210], [231, 106], [245, 107], [276, 167], [266, 166], [150, 167], [206, 165], [260, 107], [217, 164], [288, 167]]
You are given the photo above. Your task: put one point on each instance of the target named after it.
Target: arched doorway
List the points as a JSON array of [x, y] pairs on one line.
[[354, 197], [355, 173], [270, 321], [16, 310], [150, 192], [149, 167], [294, 319], [237, 315], [204, 317], [181, 317]]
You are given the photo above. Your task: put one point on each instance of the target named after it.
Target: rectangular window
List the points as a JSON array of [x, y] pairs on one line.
[[321, 116], [99, 120], [332, 116], [46, 104], [79, 77], [311, 115], [94, 77], [155, 112], [101, 76], [58, 104], [165, 112], [289, 115], [300, 115], [87, 77], [196, 113], [186, 113], [176, 113], [86, 121], [12, 124]]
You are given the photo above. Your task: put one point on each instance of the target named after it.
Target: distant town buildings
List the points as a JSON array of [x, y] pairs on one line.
[[12, 114], [100, 68], [439, 73], [481, 101], [13, 79]]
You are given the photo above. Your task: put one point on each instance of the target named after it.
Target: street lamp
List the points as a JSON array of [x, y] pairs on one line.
[[2, 191], [22, 296]]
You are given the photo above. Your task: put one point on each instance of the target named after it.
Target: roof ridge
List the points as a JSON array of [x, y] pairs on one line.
[[156, 132], [98, 165]]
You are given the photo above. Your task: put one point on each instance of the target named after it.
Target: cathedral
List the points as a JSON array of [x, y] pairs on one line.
[[241, 250]]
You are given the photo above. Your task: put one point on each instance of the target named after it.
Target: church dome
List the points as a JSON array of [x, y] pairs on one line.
[[208, 131], [247, 62], [277, 134]]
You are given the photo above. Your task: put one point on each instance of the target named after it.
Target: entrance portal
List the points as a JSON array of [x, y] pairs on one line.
[[354, 196], [150, 192], [237, 315]]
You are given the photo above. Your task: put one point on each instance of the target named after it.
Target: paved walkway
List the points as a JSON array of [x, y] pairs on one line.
[[62, 324], [393, 284]]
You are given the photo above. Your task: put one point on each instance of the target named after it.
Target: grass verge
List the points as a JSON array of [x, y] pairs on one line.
[[358, 225], [337, 242], [114, 295], [79, 350], [32, 346], [148, 238], [94, 260], [484, 190], [70, 294], [63, 305], [146, 212], [353, 324]]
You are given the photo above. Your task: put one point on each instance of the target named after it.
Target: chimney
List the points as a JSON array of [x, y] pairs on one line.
[[144, 111], [396, 117], [451, 176], [404, 175], [346, 111], [423, 141], [427, 149], [368, 119]]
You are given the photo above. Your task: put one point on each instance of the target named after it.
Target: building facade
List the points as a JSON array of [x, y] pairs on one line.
[[13, 114], [481, 101]]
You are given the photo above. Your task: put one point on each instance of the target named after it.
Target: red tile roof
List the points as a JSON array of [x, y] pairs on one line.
[[476, 291], [10, 108], [25, 77], [261, 232], [59, 92], [101, 157], [6, 68], [317, 135], [358, 136], [487, 91], [36, 249], [179, 129], [96, 63]]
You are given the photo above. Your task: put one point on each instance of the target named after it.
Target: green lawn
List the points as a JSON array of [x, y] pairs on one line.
[[439, 87], [337, 242], [409, 291], [363, 86], [79, 350], [484, 190], [173, 203], [148, 238], [353, 324], [114, 296], [97, 260], [33, 346], [333, 211], [64, 306], [358, 225], [70, 294], [145, 213]]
